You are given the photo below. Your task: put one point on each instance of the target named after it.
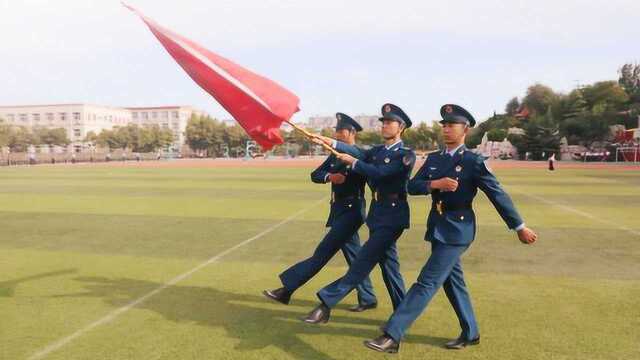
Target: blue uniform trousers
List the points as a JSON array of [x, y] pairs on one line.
[[379, 249], [442, 269], [343, 234]]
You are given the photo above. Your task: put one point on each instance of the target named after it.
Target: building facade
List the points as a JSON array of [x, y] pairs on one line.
[[80, 119], [368, 122]]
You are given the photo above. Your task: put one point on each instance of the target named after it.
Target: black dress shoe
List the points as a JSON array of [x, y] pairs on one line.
[[280, 295], [383, 343], [319, 315], [461, 342], [361, 308]]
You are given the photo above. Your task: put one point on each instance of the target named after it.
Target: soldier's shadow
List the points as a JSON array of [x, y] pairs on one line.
[[7, 288], [253, 320]]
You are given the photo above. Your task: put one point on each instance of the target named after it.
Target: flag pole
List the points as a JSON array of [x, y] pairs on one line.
[[310, 135]]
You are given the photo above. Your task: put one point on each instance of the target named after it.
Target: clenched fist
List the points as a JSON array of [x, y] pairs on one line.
[[336, 178], [527, 236], [445, 184], [346, 158]]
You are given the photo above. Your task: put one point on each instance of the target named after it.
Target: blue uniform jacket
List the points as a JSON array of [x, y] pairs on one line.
[[458, 225], [387, 172], [346, 197]]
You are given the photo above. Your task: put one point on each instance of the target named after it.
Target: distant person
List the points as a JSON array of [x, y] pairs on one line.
[[73, 158], [32, 158], [107, 157], [552, 160]]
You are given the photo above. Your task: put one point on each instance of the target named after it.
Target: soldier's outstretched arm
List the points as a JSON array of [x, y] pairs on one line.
[[319, 175], [395, 166], [419, 184], [339, 146], [487, 182]]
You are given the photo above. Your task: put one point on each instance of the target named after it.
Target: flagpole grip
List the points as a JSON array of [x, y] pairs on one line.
[[310, 135]]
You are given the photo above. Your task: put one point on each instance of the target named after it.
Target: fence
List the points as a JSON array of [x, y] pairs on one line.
[[11, 159]]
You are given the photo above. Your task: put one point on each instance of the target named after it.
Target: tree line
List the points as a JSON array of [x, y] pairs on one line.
[[19, 138], [583, 116], [132, 137], [210, 137]]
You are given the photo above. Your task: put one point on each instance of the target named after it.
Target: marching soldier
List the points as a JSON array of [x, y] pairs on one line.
[[387, 168], [345, 218], [452, 177]]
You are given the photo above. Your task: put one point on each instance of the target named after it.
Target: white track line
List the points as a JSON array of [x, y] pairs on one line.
[[114, 314], [582, 213]]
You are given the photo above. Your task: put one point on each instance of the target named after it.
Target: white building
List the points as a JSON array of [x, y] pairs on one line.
[[368, 122], [80, 119], [174, 118]]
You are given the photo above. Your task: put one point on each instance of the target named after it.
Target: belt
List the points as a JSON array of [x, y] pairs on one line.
[[441, 207], [336, 197], [388, 197]]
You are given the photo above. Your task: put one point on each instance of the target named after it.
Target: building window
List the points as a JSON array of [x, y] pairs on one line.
[[145, 115], [63, 116], [134, 114], [164, 114], [23, 117], [175, 114], [50, 116], [76, 132], [154, 115], [76, 116]]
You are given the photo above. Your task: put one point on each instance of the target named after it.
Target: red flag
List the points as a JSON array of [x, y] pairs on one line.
[[257, 103]]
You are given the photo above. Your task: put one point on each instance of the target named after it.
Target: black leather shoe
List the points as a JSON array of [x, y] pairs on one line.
[[361, 308], [319, 315], [280, 295], [383, 343], [461, 342]]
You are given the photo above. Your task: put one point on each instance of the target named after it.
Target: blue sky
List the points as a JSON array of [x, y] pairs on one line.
[[348, 56]]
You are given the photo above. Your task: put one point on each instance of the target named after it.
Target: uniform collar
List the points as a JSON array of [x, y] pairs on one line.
[[393, 146], [453, 151]]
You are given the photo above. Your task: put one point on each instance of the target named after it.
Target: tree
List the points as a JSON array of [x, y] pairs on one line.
[[201, 133], [370, 137], [541, 136], [512, 106], [574, 105], [152, 138], [629, 80], [19, 139], [51, 137], [539, 98], [5, 134], [496, 134], [605, 96], [421, 137]]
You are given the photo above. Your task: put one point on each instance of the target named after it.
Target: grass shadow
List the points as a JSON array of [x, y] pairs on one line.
[[253, 320]]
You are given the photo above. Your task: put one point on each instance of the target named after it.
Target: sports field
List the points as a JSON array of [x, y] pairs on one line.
[[168, 261]]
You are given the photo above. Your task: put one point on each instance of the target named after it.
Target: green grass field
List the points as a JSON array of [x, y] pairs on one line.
[[79, 244]]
